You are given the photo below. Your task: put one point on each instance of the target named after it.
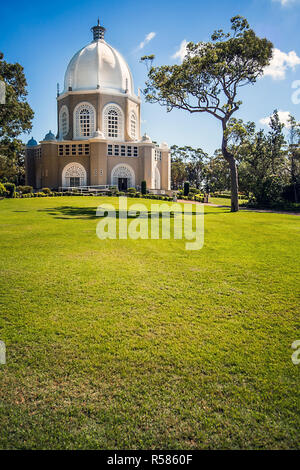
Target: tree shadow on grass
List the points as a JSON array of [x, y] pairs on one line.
[[70, 212]]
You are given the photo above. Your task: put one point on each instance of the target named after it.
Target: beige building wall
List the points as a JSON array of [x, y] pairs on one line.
[[44, 167], [46, 170], [99, 101], [165, 170]]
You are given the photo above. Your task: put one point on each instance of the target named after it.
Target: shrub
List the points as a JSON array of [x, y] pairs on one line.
[[144, 187], [269, 191], [131, 190], [291, 192], [10, 189], [186, 188], [3, 191], [25, 189], [194, 191], [46, 190]]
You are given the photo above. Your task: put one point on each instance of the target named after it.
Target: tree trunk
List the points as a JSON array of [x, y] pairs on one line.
[[295, 193], [229, 157]]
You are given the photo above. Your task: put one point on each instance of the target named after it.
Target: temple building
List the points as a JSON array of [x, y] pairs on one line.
[[98, 140]]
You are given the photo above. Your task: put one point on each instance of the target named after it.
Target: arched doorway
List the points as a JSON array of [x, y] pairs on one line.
[[74, 175], [123, 177]]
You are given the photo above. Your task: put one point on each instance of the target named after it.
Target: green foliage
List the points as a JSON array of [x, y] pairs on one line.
[[15, 118], [187, 163], [12, 153], [199, 198], [217, 174], [10, 189], [25, 189], [46, 190], [263, 163], [143, 187], [131, 190], [209, 78], [186, 188], [2, 190], [291, 192]]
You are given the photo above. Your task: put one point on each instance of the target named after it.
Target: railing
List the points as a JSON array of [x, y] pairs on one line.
[[88, 189], [157, 191]]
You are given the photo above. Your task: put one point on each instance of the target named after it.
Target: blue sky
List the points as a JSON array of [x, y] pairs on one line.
[[43, 36]]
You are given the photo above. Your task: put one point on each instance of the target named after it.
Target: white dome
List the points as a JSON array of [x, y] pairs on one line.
[[98, 65]]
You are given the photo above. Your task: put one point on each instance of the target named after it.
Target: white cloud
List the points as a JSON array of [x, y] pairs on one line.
[[147, 39], [180, 54], [280, 62], [285, 2], [283, 117]]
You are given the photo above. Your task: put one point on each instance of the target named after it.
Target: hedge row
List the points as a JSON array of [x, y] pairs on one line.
[[25, 192]]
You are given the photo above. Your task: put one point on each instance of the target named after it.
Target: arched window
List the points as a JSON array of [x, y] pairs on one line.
[[84, 121], [63, 121], [133, 125], [74, 175], [113, 122]]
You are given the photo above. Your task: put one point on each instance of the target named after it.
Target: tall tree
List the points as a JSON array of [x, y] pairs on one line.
[[178, 167], [208, 80], [15, 118], [294, 154], [188, 163], [262, 162], [217, 174]]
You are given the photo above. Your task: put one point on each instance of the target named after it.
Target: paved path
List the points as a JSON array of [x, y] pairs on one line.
[[241, 208]]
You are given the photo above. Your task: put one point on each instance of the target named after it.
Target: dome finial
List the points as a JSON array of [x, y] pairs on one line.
[[98, 31]]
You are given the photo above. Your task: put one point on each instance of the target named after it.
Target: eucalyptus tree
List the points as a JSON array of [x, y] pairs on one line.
[[209, 79], [188, 163], [15, 118], [294, 154]]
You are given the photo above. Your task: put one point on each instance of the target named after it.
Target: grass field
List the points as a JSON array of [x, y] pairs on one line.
[[222, 201], [141, 344]]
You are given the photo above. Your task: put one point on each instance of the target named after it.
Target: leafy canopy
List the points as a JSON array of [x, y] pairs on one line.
[[211, 72], [15, 118]]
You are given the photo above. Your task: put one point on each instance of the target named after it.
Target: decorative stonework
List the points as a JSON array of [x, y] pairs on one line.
[[84, 121], [133, 125], [74, 170], [63, 121], [123, 171], [113, 120]]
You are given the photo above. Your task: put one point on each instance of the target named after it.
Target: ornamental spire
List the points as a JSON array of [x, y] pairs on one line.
[[98, 31]]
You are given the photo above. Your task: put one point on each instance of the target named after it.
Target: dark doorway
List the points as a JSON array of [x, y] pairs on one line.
[[122, 184], [74, 181]]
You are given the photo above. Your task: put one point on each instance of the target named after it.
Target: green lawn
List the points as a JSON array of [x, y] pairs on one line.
[[141, 344], [222, 201]]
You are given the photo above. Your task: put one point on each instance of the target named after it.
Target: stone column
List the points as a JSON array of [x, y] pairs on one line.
[[98, 162]]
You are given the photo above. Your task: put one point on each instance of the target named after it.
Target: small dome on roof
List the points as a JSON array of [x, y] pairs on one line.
[[49, 136], [31, 142], [146, 138], [164, 145]]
